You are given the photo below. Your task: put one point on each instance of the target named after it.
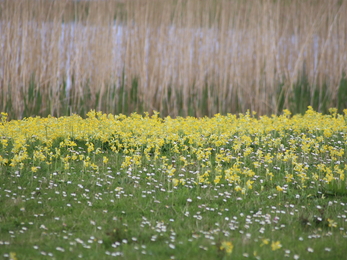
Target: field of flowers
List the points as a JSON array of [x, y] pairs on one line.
[[145, 187]]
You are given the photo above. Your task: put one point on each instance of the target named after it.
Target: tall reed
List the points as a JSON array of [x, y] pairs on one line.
[[177, 57]]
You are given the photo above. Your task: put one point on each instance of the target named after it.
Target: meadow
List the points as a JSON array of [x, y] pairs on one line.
[[150, 187], [176, 57], [150, 129]]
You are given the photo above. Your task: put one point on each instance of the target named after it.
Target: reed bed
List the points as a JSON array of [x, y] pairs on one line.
[[176, 57]]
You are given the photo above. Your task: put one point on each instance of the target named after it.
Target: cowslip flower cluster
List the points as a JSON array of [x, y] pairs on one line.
[[231, 149]]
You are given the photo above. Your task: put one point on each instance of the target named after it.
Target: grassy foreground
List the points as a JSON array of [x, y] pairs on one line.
[[145, 187]]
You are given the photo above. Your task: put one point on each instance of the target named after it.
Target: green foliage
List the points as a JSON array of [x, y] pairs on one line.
[[80, 193]]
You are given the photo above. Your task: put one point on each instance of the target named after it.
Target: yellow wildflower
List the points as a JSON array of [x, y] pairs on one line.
[[265, 241], [279, 188], [227, 247], [332, 223], [175, 182], [275, 245]]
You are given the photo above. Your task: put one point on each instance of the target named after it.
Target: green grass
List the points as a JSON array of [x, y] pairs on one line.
[[144, 187], [137, 214]]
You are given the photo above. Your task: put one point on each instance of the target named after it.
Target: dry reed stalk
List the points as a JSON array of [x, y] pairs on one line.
[[200, 57]]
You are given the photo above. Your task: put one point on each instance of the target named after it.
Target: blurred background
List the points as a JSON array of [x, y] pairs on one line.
[[180, 58]]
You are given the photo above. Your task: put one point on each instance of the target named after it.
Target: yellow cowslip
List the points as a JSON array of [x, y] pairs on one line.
[[275, 245], [238, 151], [227, 246], [279, 188]]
